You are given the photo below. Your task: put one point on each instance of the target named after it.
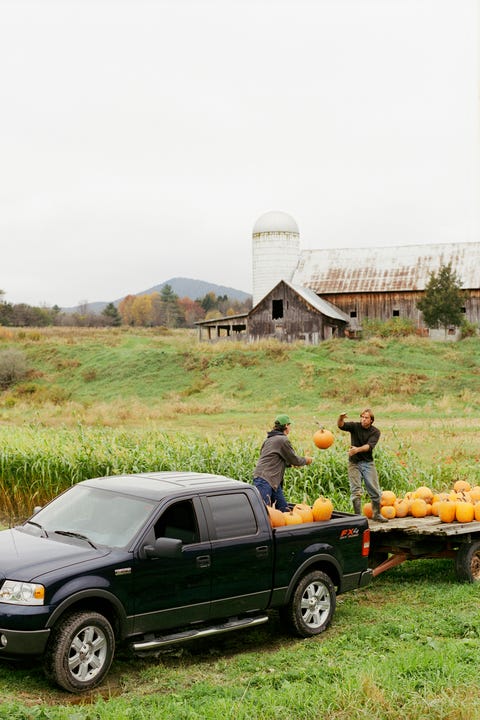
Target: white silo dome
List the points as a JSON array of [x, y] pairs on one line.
[[275, 221], [276, 251]]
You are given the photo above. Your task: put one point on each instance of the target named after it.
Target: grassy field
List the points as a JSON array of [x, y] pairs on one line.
[[97, 402]]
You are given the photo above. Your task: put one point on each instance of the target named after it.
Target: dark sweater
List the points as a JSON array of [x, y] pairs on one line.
[[362, 436], [276, 454]]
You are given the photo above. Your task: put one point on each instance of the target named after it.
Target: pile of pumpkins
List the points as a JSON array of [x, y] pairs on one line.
[[462, 504], [321, 510]]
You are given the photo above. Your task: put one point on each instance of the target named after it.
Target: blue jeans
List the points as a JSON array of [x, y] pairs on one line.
[[366, 471], [269, 495]]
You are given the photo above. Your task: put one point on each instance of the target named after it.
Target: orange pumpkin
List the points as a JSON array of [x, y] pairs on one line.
[[475, 493], [388, 511], [305, 511], [447, 511], [402, 508], [388, 497], [418, 508], [322, 509], [323, 438], [477, 510], [292, 518], [368, 510], [277, 518], [424, 493], [464, 512], [461, 486]]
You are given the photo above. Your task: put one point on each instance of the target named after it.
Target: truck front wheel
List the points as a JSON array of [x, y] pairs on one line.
[[312, 605], [467, 562], [80, 651]]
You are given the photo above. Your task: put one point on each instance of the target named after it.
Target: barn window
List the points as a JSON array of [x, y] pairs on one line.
[[396, 313], [463, 309], [353, 313], [277, 309]]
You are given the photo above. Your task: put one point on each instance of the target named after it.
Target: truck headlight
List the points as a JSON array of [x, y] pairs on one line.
[[22, 593]]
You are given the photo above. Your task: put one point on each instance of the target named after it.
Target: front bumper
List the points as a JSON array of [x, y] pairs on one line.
[[21, 643]]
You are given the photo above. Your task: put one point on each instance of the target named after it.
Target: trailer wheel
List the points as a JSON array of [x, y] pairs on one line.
[[311, 606], [467, 562]]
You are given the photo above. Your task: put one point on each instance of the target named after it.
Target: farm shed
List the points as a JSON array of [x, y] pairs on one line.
[[230, 326], [291, 312], [286, 313]]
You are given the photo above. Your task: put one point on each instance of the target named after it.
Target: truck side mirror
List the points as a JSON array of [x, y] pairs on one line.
[[164, 547]]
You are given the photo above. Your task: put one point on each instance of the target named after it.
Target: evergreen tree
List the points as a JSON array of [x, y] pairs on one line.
[[443, 299], [169, 303], [111, 314]]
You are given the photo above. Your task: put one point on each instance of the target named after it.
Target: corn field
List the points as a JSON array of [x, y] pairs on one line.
[[37, 463]]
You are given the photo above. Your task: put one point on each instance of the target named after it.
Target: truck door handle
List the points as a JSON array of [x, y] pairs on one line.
[[261, 551], [203, 561]]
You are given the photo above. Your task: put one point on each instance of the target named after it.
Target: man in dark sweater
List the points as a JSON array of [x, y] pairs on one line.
[[363, 438], [276, 454]]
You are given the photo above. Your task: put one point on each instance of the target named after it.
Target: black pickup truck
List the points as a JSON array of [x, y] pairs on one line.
[[158, 558]]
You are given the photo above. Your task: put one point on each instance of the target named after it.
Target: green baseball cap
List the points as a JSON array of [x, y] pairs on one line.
[[283, 420]]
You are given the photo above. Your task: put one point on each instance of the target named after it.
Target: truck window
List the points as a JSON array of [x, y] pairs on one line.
[[232, 515], [178, 521]]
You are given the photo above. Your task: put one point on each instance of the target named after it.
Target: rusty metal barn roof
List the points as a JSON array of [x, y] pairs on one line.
[[319, 303], [381, 269]]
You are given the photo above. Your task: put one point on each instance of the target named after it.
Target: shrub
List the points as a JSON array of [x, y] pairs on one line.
[[13, 368], [468, 329], [395, 327]]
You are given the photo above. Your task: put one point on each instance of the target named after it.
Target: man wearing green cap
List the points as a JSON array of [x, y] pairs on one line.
[[276, 454]]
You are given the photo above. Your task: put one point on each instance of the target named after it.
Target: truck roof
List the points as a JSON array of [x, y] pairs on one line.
[[157, 485]]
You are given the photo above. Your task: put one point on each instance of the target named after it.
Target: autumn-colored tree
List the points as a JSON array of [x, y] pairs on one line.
[[142, 311], [190, 310], [125, 308]]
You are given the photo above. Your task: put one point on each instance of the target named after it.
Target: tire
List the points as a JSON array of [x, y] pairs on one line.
[[80, 651], [467, 562], [311, 606]]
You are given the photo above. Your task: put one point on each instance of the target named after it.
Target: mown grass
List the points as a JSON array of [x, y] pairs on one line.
[[406, 646]]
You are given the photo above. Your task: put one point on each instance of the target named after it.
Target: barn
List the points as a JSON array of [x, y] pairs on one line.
[[286, 313], [316, 294]]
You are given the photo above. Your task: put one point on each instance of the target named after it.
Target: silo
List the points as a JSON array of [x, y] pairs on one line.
[[276, 251]]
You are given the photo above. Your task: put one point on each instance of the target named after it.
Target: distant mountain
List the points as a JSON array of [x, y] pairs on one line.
[[183, 287]]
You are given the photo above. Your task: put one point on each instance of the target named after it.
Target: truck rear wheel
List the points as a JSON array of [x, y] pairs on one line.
[[80, 651], [467, 562], [312, 605]]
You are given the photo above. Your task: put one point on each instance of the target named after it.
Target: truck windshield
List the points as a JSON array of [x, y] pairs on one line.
[[102, 516]]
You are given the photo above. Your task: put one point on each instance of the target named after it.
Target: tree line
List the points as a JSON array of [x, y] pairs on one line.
[[441, 306], [162, 308]]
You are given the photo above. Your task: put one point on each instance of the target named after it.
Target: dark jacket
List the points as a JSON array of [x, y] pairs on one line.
[[276, 454], [361, 436]]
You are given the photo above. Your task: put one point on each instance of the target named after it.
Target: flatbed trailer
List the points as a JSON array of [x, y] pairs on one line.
[[410, 538]]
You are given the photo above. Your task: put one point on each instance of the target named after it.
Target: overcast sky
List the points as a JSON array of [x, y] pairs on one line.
[[140, 140]]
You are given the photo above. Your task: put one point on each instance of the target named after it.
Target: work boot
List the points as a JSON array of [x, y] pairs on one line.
[[377, 515], [357, 506]]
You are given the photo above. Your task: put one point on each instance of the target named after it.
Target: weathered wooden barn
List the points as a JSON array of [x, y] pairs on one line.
[[317, 294], [287, 313], [383, 283]]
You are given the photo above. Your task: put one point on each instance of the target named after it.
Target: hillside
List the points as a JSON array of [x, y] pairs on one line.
[[424, 394], [183, 287]]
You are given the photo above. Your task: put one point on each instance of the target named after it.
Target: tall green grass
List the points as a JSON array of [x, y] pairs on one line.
[[37, 463]]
